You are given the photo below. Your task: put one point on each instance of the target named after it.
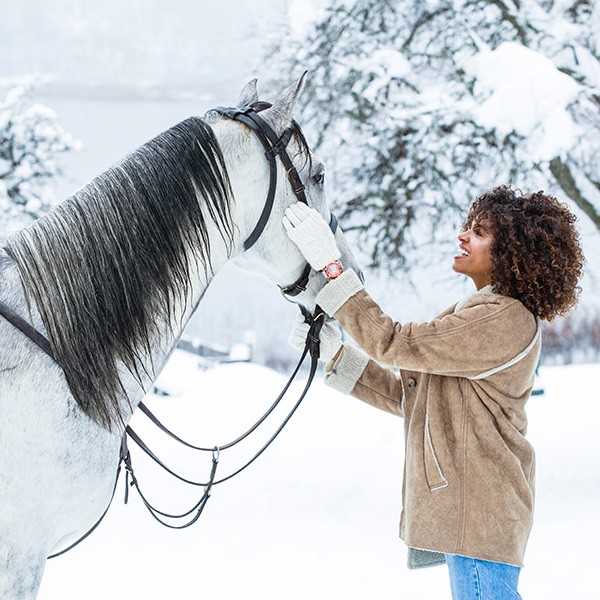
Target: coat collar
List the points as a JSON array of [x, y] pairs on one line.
[[488, 289]]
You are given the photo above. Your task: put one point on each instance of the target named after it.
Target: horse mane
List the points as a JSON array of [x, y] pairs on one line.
[[107, 266]]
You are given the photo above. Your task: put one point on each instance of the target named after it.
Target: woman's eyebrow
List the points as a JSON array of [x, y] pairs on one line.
[[485, 225]]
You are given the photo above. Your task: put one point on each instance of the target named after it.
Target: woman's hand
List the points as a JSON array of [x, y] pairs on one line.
[[330, 338], [309, 231]]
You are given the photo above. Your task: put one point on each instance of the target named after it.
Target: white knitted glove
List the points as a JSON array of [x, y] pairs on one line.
[[330, 338], [308, 230]]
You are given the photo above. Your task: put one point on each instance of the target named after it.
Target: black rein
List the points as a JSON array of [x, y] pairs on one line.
[[274, 147]]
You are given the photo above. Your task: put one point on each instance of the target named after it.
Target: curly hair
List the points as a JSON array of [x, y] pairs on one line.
[[536, 251]]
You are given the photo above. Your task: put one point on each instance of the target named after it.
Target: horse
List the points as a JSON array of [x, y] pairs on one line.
[[110, 277]]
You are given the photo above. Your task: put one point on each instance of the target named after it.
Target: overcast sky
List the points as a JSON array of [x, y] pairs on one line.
[[178, 43]]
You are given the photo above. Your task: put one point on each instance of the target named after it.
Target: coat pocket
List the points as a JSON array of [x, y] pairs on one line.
[[433, 470]]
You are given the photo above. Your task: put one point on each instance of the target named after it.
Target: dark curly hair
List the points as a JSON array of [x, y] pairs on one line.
[[536, 252]]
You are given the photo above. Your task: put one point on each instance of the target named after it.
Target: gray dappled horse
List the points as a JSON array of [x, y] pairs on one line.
[[111, 277]]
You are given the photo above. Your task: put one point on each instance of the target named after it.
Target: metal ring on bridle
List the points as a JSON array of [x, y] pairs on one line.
[[274, 147]]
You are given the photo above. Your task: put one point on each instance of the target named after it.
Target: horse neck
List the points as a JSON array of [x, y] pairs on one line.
[[248, 173], [117, 269], [248, 191], [171, 329]]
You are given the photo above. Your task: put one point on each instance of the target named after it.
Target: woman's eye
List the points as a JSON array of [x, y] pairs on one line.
[[318, 178]]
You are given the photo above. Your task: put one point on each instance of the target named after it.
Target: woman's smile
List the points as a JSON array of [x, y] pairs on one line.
[[474, 258]]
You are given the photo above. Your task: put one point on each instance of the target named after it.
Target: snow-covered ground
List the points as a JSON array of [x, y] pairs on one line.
[[316, 516]]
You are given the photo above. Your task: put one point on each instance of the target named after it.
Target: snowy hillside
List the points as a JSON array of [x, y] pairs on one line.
[[316, 516]]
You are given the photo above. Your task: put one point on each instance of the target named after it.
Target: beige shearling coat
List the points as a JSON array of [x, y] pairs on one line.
[[461, 383]]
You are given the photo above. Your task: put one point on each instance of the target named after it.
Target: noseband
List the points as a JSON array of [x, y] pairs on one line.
[[274, 147]]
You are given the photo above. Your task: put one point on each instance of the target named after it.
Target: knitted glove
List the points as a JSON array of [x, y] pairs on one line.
[[330, 338], [307, 229]]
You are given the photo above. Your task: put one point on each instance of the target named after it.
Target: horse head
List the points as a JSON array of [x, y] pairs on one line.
[[117, 269], [270, 252], [110, 277]]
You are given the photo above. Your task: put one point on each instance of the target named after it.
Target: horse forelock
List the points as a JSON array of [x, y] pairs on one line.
[[303, 147], [106, 267]]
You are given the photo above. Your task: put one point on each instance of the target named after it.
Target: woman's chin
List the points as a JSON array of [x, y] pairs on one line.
[[456, 266]]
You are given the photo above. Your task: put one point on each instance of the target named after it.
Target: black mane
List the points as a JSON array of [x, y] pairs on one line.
[[106, 267]]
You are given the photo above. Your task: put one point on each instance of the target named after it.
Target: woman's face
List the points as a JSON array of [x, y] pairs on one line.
[[475, 253]]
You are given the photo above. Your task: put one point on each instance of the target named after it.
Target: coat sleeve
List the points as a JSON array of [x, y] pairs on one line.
[[487, 332], [356, 374]]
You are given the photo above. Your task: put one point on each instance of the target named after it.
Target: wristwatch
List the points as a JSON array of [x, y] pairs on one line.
[[333, 269]]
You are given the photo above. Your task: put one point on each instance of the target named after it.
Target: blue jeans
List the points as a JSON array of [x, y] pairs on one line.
[[474, 579]]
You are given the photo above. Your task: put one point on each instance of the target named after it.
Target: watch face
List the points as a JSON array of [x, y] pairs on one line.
[[333, 270]]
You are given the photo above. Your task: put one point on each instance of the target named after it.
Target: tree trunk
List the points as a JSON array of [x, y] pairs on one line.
[[563, 175]]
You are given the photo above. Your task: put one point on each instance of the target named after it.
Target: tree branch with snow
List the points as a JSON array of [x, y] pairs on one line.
[[31, 141], [418, 105]]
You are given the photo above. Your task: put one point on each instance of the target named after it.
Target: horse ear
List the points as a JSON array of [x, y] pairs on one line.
[[249, 94], [280, 114]]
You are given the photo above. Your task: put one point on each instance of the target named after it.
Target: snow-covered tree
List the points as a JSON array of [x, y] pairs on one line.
[[31, 141], [418, 105]]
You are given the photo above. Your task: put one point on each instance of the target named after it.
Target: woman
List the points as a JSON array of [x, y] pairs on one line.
[[460, 381]]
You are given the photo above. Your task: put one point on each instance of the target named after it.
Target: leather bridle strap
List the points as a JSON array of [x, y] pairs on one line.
[[21, 324], [274, 146]]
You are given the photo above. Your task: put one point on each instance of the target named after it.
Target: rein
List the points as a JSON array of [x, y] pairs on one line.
[[274, 147], [312, 347], [31, 332]]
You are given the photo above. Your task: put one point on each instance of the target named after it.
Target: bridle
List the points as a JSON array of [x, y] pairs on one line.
[[275, 146]]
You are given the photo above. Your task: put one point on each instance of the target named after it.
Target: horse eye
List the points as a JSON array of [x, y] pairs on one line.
[[319, 178]]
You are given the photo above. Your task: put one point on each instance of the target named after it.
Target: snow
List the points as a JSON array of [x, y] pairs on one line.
[[240, 352], [36, 138], [316, 516], [588, 189], [303, 14], [384, 64], [526, 93]]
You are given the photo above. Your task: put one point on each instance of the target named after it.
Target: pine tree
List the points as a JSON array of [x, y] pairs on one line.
[[31, 141]]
